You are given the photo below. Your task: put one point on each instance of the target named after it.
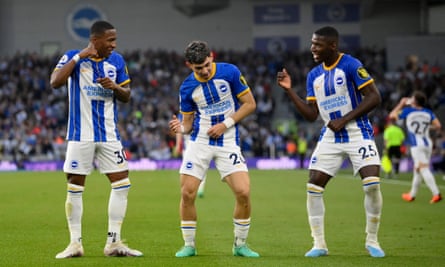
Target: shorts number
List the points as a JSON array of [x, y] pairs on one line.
[[367, 152], [237, 159], [120, 155]]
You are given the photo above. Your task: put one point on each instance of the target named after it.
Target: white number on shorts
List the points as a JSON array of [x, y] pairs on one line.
[[367, 152]]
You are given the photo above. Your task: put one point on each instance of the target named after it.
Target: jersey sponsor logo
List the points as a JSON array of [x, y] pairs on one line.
[[97, 91], [362, 73], [334, 102], [217, 108]]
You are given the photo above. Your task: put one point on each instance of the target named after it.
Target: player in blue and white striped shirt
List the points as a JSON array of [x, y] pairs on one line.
[[419, 120], [213, 98], [96, 78], [341, 91]]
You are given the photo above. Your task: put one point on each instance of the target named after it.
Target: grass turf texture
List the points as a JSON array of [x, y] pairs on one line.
[[34, 228]]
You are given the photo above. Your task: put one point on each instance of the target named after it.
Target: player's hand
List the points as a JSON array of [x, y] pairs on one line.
[[107, 83], [337, 124], [284, 80], [216, 130], [89, 51], [175, 125], [406, 101]]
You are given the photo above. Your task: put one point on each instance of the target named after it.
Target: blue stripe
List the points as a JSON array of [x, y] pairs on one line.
[[76, 124], [314, 193], [365, 127], [74, 192], [322, 132], [206, 93], [371, 183], [196, 126], [187, 227], [122, 187], [97, 110], [342, 135], [362, 122], [220, 140], [214, 92], [213, 120], [116, 116], [329, 88]]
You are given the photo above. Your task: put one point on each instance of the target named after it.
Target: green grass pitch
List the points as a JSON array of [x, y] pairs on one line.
[[33, 225]]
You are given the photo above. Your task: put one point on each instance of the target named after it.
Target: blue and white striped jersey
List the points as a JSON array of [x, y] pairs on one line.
[[336, 89], [418, 124], [93, 111], [212, 101]]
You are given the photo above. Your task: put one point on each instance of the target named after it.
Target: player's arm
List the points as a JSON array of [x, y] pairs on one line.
[[182, 127], [436, 125], [248, 106], [371, 99], [61, 75], [309, 109], [121, 92], [394, 114]]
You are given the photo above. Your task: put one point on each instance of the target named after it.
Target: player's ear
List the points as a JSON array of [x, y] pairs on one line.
[[188, 64]]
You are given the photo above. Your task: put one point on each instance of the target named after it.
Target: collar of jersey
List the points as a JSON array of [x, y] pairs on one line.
[[97, 59], [335, 63], [212, 73]]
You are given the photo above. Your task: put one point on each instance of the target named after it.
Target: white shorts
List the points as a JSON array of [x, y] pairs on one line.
[[328, 157], [421, 154], [80, 156], [197, 157]]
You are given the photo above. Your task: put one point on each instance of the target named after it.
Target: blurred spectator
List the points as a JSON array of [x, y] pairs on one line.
[[33, 117]]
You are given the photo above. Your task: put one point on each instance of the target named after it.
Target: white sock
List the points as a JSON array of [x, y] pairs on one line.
[[74, 211], [315, 210], [188, 229], [241, 231], [430, 181], [417, 181], [373, 208], [117, 207]]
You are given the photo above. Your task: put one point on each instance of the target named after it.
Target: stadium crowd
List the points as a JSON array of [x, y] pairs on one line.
[[33, 115]]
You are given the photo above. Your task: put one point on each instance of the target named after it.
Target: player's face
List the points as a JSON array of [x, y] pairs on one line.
[[203, 70], [106, 43], [321, 48]]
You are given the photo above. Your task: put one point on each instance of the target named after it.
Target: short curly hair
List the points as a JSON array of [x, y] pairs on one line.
[[197, 52]]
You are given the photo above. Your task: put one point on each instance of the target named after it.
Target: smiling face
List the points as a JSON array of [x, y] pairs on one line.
[[324, 49], [105, 43]]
